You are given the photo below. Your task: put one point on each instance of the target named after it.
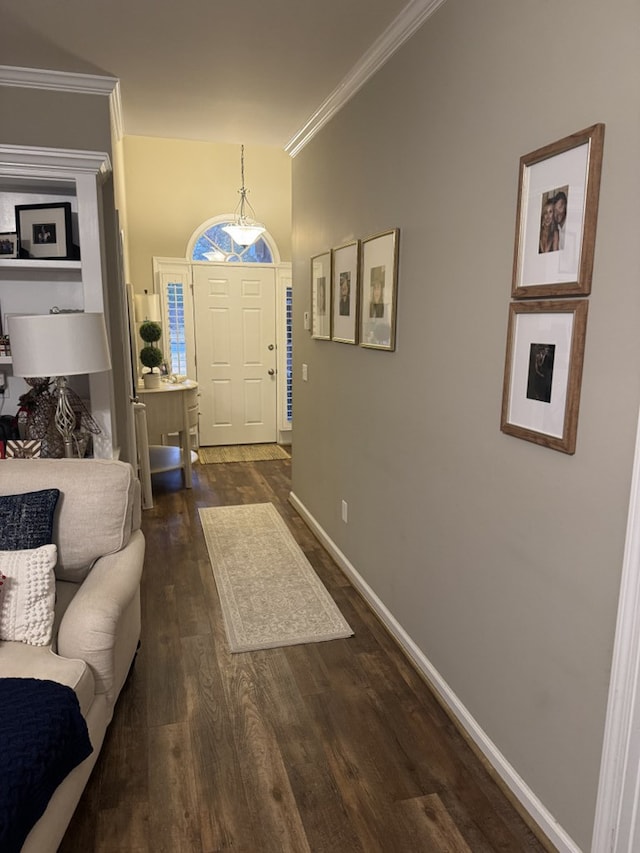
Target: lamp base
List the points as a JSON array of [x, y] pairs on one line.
[[65, 417]]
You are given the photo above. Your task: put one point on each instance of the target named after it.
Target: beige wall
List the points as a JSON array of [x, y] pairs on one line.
[[500, 558], [172, 186]]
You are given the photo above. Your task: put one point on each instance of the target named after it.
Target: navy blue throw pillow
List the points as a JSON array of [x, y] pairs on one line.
[[26, 521]]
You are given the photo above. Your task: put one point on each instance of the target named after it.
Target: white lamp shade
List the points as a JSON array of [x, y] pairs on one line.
[[59, 344], [148, 307], [244, 234]]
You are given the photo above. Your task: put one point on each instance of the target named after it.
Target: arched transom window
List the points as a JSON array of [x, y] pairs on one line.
[[215, 245]]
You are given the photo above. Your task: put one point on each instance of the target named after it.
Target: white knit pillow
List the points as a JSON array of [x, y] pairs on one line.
[[28, 595]]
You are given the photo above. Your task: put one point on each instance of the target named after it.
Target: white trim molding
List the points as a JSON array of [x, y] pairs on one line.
[[117, 118], [60, 81], [25, 161], [397, 33], [616, 828], [536, 809]]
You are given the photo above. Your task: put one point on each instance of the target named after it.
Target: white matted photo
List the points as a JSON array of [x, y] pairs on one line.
[[378, 290], [45, 231], [556, 217], [543, 372], [321, 296], [344, 326]]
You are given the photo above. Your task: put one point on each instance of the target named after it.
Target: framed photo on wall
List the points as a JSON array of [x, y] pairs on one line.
[[557, 212], [346, 264], [543, 372], [44, 231], [321, 296], [378, 290]]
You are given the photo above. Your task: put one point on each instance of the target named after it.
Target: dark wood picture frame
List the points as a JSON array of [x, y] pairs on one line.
[[557, 213], [543, 372], [45, 231]]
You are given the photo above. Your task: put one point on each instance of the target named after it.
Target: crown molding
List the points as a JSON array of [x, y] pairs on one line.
[[61, 81], [397, 33], [25, 161], [117, 119]]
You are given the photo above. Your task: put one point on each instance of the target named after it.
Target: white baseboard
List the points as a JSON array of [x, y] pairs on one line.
[[534, 807]]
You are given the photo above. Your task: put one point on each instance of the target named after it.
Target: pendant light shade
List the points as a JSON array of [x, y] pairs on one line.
[[244, 230]]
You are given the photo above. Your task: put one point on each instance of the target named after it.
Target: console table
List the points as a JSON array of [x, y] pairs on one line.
[[173, 407]]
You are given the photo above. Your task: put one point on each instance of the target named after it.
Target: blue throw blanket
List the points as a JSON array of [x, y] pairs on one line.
[[43, 736]]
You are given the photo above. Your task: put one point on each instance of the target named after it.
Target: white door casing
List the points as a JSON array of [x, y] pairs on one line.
[[235, 335]]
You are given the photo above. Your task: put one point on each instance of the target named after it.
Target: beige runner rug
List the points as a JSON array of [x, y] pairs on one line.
[[269, 592], [242, 453]]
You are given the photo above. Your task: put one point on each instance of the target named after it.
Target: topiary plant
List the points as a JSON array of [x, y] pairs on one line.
[[151, 355]]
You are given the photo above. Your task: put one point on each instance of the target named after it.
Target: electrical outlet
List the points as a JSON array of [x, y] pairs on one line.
[[345, 511]]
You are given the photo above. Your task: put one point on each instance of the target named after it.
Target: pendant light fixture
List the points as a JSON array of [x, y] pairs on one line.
[[243, 230]]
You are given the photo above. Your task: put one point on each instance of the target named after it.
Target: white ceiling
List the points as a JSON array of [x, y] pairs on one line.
[[246, 71]]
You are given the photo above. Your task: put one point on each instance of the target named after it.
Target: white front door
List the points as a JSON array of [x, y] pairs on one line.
[[235, 331]]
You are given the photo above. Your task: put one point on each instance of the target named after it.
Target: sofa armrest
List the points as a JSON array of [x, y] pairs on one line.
[[98, 624]]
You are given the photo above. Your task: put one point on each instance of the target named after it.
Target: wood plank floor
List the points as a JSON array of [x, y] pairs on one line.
[[334, 747]]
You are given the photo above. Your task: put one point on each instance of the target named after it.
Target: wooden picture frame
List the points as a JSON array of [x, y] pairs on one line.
[[321, 296], [557, 212], [543, 372], [8, 245], [379, 290], [44, 231], [346, 287]]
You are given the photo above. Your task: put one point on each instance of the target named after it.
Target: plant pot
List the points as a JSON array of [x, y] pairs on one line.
[[151, 380]]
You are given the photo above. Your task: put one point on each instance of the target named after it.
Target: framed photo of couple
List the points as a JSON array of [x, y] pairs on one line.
[[557, 212], [321, 296], [543, 371], [378, 290], [345, 277]]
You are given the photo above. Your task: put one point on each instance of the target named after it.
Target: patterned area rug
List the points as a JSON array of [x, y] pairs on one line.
[[269, 592], [242, 453]]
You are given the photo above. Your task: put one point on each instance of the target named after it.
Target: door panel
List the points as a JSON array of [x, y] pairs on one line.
[[235, 326]]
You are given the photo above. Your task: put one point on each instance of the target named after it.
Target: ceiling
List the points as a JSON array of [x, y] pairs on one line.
[[250, 71]]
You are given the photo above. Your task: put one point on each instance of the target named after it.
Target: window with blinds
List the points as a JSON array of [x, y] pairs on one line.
[[289, 344], [175, 314]]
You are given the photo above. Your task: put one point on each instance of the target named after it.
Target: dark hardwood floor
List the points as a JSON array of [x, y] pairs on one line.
[[334, 747]]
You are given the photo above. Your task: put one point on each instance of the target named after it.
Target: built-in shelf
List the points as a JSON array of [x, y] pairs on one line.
[[34, 264]]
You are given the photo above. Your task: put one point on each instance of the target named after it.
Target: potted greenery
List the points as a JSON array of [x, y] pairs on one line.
[[151, 355]]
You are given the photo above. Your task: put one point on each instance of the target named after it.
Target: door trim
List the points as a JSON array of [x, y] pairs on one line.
[[616, 827]]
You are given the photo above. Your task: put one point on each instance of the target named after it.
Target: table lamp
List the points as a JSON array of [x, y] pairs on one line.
[[59, 345]]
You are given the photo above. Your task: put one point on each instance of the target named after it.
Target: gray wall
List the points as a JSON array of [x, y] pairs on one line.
[[500, 558], [54, 119]]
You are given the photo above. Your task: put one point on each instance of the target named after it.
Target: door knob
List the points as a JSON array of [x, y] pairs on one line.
[[271, 372], [271, 347]]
